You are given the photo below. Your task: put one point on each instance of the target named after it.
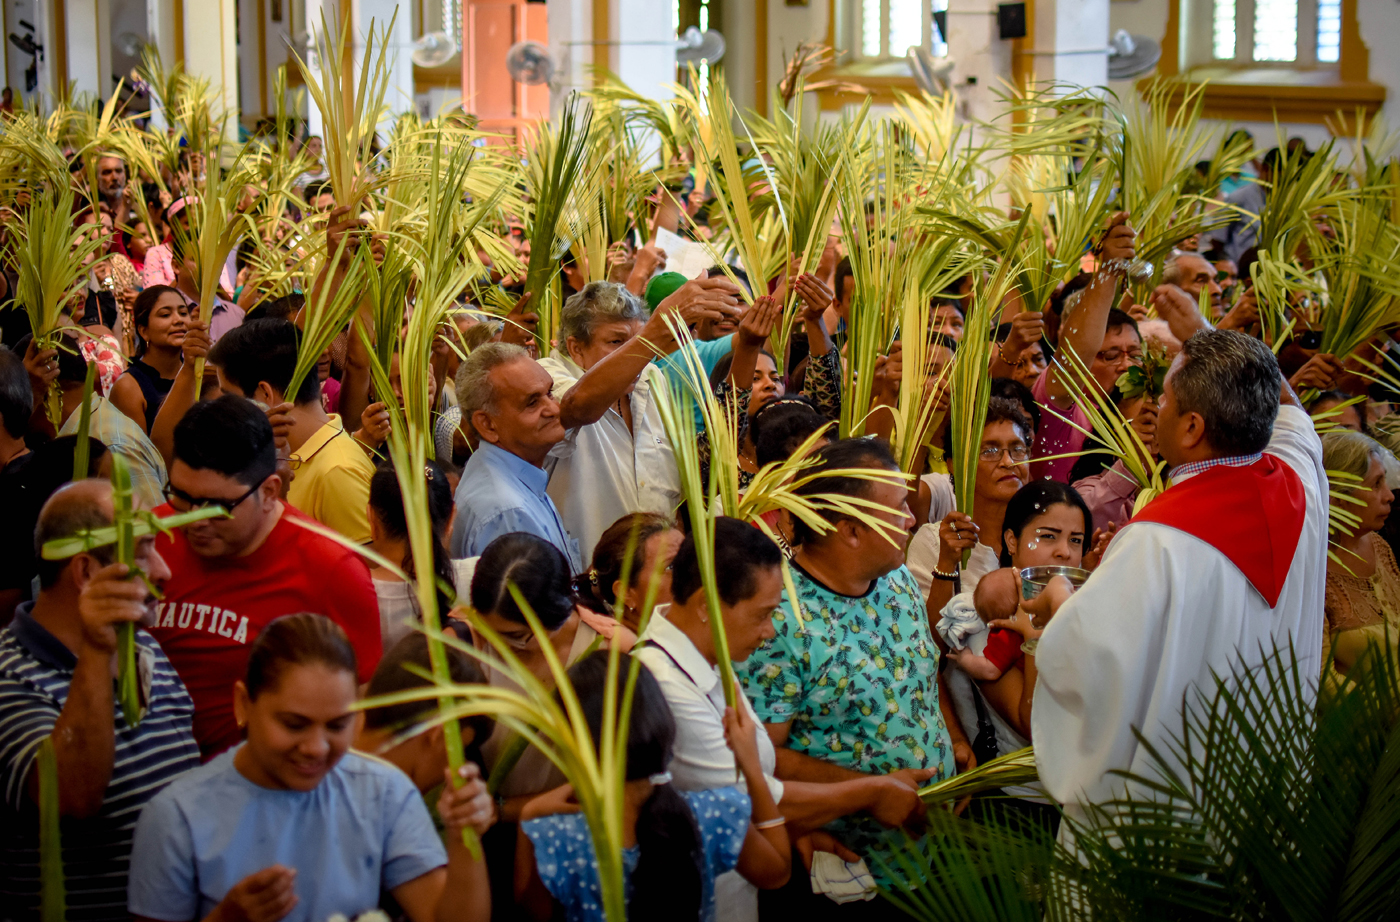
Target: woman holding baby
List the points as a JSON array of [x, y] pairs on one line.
[[983, 632]]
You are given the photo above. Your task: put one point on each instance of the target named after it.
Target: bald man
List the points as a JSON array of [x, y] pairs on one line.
[[57, 670]]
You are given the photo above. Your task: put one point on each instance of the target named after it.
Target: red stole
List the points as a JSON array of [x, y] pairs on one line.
[[1253, 515]]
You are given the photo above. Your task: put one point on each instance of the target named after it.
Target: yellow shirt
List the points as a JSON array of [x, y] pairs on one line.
[[330, 481]]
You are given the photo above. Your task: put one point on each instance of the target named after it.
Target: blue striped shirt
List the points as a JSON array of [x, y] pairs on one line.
[[35, 672]]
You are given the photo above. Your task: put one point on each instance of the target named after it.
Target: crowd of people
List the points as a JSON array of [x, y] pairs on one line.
[[874, 654]]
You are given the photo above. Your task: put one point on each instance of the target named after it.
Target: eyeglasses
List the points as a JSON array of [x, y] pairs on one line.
[[1113, 356], [177, 497], [1017, 453]]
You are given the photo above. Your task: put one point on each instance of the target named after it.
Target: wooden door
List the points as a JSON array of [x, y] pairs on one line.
[[490, 27]]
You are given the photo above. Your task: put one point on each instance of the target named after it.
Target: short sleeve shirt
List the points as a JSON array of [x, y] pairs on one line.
[[568, 866], [214, 609], [858, 679], [36, 670], [331, 481], [362, 829]]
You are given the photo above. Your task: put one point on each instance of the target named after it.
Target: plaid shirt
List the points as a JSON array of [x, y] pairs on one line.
[[1191, 469]]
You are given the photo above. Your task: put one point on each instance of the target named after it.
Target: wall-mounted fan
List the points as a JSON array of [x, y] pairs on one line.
[[529, 63], [695, 46], [933, 75], [434, 49], [1131, 55]]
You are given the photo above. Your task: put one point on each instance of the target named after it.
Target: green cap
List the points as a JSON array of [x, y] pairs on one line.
[[661, 287]]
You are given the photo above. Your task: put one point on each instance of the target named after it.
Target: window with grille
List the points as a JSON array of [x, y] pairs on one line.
[[1298, 32], [886, 29]]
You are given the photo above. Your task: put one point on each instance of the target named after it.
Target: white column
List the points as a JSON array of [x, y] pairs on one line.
[[645, 53], [398, 57], [89, 47], [312, 24], [160, 32], [982, 60], [1071, 38], [211, 51]]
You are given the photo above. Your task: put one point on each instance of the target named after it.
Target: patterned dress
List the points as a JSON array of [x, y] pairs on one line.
[[858, 679], [568, 866]]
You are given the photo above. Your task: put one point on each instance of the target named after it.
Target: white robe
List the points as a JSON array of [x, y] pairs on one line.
[[1162, 614]]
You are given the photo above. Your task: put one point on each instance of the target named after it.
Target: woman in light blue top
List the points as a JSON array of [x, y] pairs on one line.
[[676, 843], [289, 825]]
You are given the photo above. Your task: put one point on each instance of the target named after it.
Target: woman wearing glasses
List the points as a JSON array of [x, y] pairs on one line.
[[540, 573], [1002, 469]]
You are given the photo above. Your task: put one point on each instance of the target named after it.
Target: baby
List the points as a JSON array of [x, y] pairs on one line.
[[996, 597]]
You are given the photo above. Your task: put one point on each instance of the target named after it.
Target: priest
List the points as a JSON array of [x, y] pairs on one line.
[[1225, 566]]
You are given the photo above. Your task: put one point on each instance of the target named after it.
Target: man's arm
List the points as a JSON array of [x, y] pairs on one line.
[[603, 384], [84, 738], [1082, 329]]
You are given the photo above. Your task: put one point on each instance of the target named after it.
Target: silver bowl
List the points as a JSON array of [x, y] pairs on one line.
[[1035, 579]]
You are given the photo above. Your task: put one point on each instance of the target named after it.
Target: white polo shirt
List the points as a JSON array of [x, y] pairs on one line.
[[603, 471]]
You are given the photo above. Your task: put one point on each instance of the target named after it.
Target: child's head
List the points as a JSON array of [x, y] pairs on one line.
[[997, 594], [297, 701], [667, 877], [423, 757]]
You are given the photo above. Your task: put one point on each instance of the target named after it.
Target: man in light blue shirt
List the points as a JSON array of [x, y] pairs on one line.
[[505, 395]]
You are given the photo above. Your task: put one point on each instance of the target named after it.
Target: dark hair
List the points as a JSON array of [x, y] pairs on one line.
[[386, 500], [72, 366], [722, 367], [1233, 381], [315, 190], [843, 272], [141, 312], [1117, 318], [667, 882], [1006, 409], [230, 436], [1035, 499], [1340, 397], [1011, 389], [634, 530], [536, 568], [16, 395], [393, 675], [296, 640], [781, 426], [741, 550], [843, 453], [283, 308], [263, 350]]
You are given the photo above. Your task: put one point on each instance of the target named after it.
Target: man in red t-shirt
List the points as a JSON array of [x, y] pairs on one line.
[[232, 576]]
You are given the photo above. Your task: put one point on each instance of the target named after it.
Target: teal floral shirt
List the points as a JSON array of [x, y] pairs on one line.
[[858, 678]]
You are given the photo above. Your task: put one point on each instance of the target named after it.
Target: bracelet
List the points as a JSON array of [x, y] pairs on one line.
[[770, 824], [1028, 647], [946, 577]]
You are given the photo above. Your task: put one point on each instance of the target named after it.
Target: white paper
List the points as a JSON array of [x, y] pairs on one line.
[[687, 257]]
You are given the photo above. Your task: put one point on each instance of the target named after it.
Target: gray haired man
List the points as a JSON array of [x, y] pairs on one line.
[[616, 458], [1224, 568]]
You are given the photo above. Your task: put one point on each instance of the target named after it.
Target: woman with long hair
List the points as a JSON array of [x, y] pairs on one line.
[[643, 544], [675, 842], [161, 318], [301, 822], [540, 574], [388, 528]]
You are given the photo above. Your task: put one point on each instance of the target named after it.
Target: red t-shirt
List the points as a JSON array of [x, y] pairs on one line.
[[1003, 648], [214, 608]]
